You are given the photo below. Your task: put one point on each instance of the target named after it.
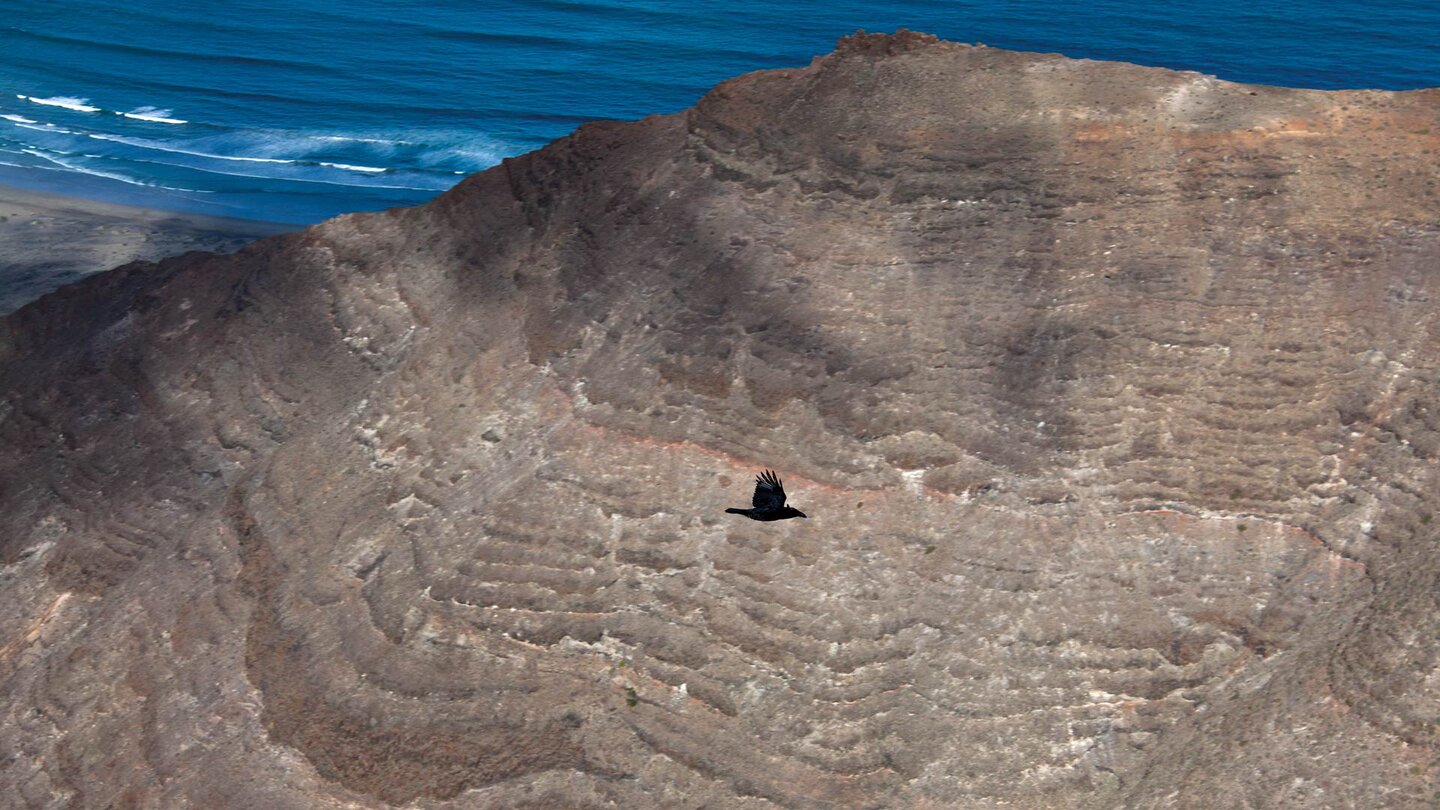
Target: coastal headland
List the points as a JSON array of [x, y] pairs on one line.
[[1111, 395]]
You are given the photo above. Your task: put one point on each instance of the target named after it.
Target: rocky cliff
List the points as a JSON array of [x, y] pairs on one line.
[[1112, 394]]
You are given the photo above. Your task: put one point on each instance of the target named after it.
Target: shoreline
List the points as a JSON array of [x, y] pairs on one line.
[[50, 240]]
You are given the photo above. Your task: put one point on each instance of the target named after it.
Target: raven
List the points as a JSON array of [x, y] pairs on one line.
[[769, 500]]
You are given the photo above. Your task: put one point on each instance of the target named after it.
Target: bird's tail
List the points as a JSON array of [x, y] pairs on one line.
[[736, 511]]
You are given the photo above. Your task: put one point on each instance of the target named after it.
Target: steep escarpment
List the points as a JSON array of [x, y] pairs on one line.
[[1110, 393]]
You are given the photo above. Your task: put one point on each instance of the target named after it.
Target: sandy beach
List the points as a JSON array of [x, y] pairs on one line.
[[47, 240]]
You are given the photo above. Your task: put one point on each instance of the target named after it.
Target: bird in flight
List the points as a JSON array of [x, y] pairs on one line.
[[769, 500]]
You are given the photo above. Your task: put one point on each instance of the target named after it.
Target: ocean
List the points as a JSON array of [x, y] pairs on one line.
[[300, 110]]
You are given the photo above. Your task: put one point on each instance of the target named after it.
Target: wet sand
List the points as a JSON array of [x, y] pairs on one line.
[[47, 240]]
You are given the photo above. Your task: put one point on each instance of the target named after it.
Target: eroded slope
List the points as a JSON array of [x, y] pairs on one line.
[[1110, 392]]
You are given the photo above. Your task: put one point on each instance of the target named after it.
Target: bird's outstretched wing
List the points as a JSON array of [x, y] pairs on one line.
[[769, 494]]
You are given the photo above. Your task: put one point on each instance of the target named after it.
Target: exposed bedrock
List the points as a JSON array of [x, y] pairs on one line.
[[1110, 392]]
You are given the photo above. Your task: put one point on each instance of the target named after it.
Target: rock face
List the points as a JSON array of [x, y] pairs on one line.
[[1110, 392]]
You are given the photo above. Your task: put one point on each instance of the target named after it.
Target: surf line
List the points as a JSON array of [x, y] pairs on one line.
[[68, 102]]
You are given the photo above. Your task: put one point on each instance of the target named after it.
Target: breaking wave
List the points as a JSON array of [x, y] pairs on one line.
[[153, 114], [67, 102], [150, 146], [416, 163], [62, 163]]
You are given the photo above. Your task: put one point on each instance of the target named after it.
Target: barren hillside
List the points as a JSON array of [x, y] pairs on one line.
[[1112, 395]]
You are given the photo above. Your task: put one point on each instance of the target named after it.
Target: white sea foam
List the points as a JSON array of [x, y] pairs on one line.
[[51, 128], [44, 127], [154, 114], [352, 168], [74, 167], [141, 143], [437, 153], [286, 178], [283, 178], [68, 102], [421, 161], [39, 126], [83, 169], [362, 140]]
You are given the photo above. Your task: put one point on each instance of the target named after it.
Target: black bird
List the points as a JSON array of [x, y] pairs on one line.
[[769, 500]]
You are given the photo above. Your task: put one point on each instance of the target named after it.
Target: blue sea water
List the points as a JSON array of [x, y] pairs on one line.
[[298, 110]]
